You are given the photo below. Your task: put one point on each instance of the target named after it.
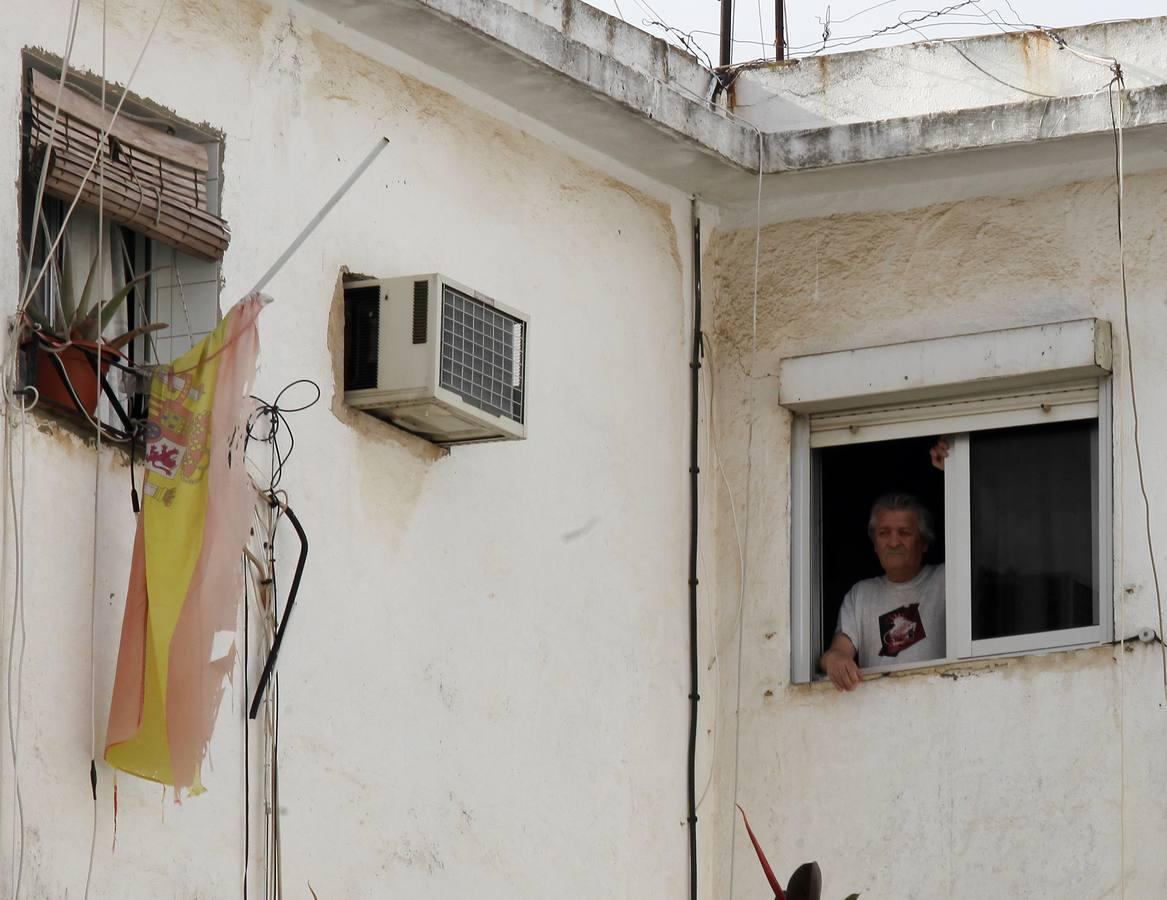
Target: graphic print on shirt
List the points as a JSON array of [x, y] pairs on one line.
[[899, 629]]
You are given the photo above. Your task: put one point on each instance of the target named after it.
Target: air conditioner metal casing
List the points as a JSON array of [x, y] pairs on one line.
[[420, 322]]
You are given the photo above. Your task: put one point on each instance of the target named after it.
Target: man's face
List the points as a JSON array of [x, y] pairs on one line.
[[899, 544]]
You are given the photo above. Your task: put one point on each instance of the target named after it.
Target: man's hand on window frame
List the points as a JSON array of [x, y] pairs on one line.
[[939, 453], [839, 664]]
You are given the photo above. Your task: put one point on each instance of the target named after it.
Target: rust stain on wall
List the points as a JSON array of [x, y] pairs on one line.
[[1035, 48], [350, 77], [76, 437], [211, 15], [239, 21], [386, 468], [824, 65]]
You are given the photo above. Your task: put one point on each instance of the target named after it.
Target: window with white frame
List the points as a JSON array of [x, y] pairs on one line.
[[1022, 504], [177, 289], [127, 205], [182, 291]]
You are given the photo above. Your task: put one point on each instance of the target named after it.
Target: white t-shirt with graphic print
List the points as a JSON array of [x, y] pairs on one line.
[[896, 622]]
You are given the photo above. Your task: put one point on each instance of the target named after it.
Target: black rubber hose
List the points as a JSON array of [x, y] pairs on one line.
[[694, 471], [275, 647]]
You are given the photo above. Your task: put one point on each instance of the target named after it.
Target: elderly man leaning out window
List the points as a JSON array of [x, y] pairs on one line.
[[898, 617]]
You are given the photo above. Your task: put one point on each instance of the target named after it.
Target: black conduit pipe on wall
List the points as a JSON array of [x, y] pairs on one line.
[[273, 654], [694, 470]]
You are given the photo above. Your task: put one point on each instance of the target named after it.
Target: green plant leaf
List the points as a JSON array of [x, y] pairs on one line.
[[64, 273], [806, 883], [122, 339], [112, 304], [87, 328], [83, 304]]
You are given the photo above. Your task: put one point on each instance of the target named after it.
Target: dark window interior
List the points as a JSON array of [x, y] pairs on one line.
[[850, 479]]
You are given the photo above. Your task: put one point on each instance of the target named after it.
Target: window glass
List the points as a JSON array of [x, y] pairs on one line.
[[184, 292], [1033, 526]]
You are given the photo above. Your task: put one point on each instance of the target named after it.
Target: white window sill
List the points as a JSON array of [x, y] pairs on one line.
[[959, 668]]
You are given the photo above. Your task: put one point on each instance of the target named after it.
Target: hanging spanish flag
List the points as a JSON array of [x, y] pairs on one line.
[[185, 578]]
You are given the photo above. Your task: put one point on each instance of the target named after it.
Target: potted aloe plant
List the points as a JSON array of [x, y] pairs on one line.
[[72, 339]]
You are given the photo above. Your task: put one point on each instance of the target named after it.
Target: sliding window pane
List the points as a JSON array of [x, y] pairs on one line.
[[1034, 525]]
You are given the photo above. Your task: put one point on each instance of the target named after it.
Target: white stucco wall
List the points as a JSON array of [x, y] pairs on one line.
[[484, 685], [484, 682], [1029, 778]]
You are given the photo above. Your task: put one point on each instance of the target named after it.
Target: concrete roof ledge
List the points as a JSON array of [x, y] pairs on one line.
[[618, 40], [647, 104], [906, 80], [585, 73], [1027, 122]]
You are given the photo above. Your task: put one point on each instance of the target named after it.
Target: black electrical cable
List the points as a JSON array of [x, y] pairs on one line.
[[271, 832], [246, 732], [134, 500], [277, 425], [694, 471], [278, 435], [275, 647], [1138, 637], [277, 853]]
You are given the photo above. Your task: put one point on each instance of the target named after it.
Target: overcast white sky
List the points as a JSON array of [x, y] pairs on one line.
[[851, 22]]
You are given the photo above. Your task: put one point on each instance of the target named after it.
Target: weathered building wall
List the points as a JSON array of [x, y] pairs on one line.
[[1030, 777], [483, 685], [943, 76]]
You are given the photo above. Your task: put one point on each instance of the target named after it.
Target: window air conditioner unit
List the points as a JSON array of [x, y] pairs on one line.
[[435, 358]]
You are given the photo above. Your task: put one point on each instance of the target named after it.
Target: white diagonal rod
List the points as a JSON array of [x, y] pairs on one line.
[[271, 273]]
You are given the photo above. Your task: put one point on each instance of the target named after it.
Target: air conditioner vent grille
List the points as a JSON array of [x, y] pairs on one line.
[[482, 354], [421, 305], [362, 323]]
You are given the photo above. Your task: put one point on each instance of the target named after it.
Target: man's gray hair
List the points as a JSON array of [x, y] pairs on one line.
[[909, 502]]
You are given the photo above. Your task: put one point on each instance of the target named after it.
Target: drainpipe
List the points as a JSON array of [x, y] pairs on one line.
[[694, 470]]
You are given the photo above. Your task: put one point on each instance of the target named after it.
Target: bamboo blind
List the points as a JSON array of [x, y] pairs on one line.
[[154, 182]]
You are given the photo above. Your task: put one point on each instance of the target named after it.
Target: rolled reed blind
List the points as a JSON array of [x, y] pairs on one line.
[[154, 182]]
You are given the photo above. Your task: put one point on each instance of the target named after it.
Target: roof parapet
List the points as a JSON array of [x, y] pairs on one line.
[[650, 106]]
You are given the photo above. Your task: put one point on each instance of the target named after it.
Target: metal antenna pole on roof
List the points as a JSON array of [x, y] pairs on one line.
[[780, 30], [726, 55], [271, 273]]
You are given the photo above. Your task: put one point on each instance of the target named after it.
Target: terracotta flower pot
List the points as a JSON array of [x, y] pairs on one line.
[[77, 360]]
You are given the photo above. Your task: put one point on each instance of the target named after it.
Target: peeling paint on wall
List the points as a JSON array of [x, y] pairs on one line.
[[820, 278]]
